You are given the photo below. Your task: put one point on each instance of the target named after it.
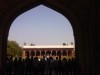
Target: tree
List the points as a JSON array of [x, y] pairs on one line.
[[64, 44], [13, 49], [72, 43]]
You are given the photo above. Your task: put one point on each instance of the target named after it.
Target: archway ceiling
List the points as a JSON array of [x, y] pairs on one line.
[[78, 6]]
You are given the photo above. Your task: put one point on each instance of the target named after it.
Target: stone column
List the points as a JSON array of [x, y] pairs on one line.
[[56, 53], [61, 52], [29, 53], [35, 52], [0, 62], [67, 52], [51, 53], [40, 52], [45, 52], [73, 53], [23, 55]]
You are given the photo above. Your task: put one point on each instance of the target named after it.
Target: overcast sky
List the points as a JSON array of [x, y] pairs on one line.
[[41, 26]]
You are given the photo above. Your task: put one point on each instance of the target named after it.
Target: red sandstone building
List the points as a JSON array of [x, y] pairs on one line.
[[51, 50]]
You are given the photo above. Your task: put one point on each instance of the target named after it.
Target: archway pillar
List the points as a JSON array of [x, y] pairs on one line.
[[86, 33], [0, 57], [23, 55], [56, 53], [66, 52], [40, 52], [35, 52], [3, 51], [61, 53], [45, 52], [30, 53], [51, 53]]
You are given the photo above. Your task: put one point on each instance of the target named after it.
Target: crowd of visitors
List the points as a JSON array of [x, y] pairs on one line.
[[45, 66]]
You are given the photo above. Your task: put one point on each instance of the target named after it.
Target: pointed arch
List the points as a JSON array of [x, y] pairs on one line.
[[24, 6]]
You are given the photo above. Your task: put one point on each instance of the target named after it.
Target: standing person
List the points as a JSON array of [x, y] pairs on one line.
[[7, 65], [56, 66], [15, 66], [20, 66], [59, 65], [47, 66], [10, 66], [51, 66], [36, 66], [69, 67], [42, 66], [63, 66], [31, 66], [27, 65]]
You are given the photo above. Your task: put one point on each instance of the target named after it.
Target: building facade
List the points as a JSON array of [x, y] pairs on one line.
[[49, 50]]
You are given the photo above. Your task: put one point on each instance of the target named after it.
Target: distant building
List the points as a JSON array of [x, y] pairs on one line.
[[49, 50]]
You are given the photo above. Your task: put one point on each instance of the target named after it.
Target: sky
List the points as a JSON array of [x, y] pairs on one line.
[[41, 26]]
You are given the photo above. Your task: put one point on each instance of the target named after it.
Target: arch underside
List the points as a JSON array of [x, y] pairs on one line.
[[83, 16]]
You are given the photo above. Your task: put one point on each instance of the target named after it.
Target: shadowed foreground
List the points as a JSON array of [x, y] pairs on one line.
[[45, 66]]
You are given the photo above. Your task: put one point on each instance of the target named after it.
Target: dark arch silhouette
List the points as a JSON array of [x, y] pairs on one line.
[[47, 4], [64, 53], [69, 53], [37, 53], [53, 53], [26, 53], [48, 52], [42, 52], [28, 5], [85, 25], [32, 53], [59, 53]]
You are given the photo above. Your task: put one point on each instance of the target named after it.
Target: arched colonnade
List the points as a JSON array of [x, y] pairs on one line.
[[49, 51]]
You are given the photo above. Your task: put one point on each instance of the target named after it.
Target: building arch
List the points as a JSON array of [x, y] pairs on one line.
[[26, 53], [32, 53], [37, 53], [84, 16], [48, 52], [58, 53], [47, 4], [64, 53], [21, 8], [69, 53], [42, 53], [54, 53]]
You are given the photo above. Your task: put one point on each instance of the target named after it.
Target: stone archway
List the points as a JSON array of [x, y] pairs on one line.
[[82, 15], [17, 11], [32, 53], [48, 52], [58, 53], [13, 14], [54, 53], [26, 53], [42, 53], [64, 53], [69, 53], [37, 53]]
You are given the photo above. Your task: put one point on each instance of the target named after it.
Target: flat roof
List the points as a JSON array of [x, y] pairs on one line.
[[50, 46]]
